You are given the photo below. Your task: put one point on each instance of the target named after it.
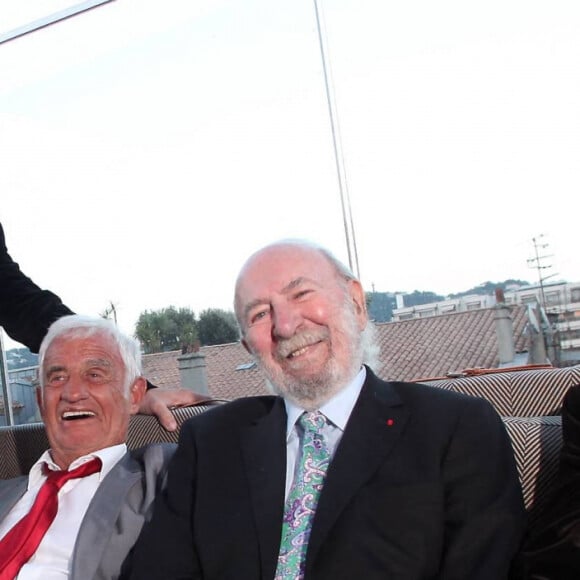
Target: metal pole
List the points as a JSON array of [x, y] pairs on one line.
[[339, 161], [6, 394], [540, 267], [51, 19]]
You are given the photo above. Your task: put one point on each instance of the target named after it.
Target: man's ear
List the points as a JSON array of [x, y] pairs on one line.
[[136, 393], [358, 298]]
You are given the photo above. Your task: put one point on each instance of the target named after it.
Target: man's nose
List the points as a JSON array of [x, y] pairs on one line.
[[75, 389], [286, 320]]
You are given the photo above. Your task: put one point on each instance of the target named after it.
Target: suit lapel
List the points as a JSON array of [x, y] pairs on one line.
[[99, 522], [264, 453], [374, 428]]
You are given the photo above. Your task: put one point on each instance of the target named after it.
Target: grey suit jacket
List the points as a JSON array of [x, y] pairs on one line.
[[116, 514]]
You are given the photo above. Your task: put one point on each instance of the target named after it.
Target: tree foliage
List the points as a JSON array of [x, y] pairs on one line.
[[216, 326], [380, 305], [173, 329], [166, 329], [417, 298]]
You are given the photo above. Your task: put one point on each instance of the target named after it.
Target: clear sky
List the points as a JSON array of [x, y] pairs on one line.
[[147, 148]]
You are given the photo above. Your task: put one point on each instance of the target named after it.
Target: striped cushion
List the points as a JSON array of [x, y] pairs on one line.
[[521, 393], [144, 429], [22, 445], [536, 442]]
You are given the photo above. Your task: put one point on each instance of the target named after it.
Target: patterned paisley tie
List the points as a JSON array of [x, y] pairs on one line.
[[303, 498]]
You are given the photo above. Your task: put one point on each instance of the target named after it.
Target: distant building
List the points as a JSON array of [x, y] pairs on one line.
[[553, 308], [22, 386], [463, 304]]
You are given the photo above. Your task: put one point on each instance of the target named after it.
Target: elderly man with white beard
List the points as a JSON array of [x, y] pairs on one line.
[[339, 474]]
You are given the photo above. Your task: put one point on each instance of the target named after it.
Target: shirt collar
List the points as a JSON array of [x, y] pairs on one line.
[[337, 409], [109, 457]]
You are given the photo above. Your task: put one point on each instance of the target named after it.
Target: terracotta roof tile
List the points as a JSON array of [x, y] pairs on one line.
[[436, 345], [225, 382]]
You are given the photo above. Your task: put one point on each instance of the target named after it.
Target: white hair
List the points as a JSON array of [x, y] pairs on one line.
[[79, 326]]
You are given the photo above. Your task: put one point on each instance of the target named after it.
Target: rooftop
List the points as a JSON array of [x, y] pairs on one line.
[[409, 350]]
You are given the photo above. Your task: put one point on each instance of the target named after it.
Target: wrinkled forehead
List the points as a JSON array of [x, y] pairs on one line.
[[72, 347], [275, 268]]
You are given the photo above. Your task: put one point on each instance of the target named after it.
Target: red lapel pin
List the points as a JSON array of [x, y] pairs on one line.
[[390, 422]]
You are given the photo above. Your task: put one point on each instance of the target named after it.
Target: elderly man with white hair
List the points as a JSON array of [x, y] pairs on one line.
[[80, 509]]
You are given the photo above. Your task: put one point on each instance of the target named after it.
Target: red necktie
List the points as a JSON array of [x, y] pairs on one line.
[[20, 543]]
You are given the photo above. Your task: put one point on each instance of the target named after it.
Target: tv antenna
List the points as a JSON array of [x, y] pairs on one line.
[[538, 262]]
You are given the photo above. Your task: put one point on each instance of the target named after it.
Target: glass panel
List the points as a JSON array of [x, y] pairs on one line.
[[147, 147]]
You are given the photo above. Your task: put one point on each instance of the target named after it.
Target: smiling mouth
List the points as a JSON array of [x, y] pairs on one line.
[[298, 352], [302, 350], [76, 415]]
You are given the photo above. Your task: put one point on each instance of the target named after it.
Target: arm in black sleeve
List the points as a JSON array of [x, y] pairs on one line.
[[26, 310]]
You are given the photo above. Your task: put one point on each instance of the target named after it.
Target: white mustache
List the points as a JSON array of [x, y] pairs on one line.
[[289, 345]]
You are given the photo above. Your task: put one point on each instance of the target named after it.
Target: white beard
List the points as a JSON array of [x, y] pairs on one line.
[[313, 391]]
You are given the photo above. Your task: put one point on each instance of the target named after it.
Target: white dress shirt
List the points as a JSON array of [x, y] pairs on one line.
[[337, 410], [52, 559]]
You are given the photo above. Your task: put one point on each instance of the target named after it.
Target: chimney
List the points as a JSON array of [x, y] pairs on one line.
[[400, 300], [193, 372], [537, 346], [504, 329]]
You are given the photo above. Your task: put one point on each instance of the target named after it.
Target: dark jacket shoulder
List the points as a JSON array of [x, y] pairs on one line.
[[238, 412]]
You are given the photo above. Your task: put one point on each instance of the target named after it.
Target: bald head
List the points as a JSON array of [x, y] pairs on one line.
[[291, 248], [302, 314]]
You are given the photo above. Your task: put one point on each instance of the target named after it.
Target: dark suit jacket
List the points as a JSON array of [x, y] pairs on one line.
[[122, 503], [26, 311], [423, 485], [553, 551]]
